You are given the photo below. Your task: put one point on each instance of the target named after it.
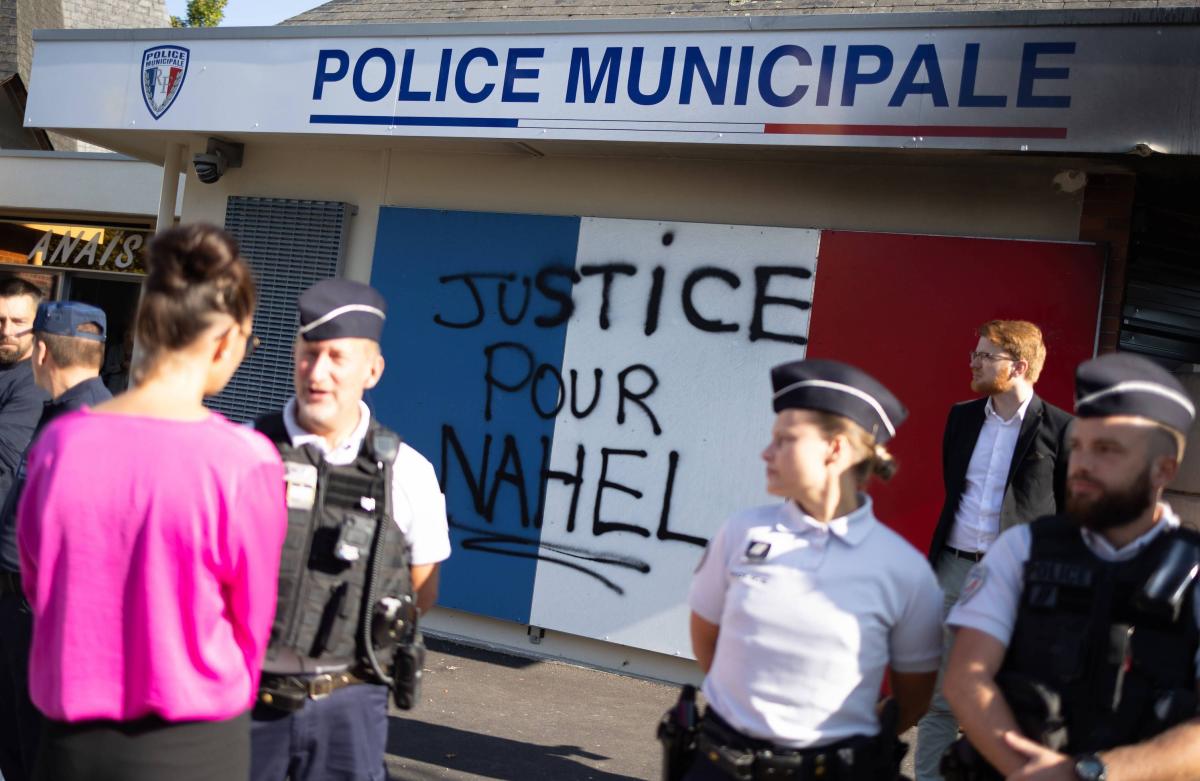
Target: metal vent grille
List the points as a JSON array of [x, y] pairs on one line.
[[290, 245]]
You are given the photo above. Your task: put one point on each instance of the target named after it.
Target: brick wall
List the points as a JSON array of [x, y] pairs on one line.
[[34, 15], [377, 11], [1107, 220], [80, 14], [8, 38]]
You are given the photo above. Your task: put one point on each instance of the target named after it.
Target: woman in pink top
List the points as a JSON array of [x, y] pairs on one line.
[[150, 531]]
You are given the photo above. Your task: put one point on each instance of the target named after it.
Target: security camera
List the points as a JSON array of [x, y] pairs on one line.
[[211, 165]]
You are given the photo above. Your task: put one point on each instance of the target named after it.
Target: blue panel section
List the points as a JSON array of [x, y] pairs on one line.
[[444, 275]]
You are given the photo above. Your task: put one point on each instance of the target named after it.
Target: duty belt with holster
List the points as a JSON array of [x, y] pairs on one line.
[[744, 758], [346, 612], [291, 692]]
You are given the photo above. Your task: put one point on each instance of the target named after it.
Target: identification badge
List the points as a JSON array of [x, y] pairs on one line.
[[757, 550], [301, 482]]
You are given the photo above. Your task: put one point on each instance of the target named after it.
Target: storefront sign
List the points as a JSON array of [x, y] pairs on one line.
[[73, 247], [1023, 88]]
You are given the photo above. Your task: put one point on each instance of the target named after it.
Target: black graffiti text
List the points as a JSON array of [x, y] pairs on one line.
[[503, 466], [548, 298], [510, 367]]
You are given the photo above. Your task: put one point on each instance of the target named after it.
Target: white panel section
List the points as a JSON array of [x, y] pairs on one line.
[[1075, 88], [93, 183], [712, 404]]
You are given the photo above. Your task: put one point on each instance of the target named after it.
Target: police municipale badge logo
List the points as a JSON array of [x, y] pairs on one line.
[[974, 582], [163, 71]]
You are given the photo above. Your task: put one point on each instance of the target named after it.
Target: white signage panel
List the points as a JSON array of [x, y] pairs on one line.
[[1072, 88]]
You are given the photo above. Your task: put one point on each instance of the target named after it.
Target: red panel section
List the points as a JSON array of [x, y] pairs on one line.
[[905, 309], [935, 131]]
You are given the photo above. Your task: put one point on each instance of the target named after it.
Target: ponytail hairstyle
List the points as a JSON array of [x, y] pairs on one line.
[[195, 273], [875, 460]]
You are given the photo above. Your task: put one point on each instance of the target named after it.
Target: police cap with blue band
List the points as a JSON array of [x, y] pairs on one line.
[[341, 309], [1127, 384], [841, 389], [64, 318]]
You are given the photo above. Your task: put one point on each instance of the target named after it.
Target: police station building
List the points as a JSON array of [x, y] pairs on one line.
[[596, 235]]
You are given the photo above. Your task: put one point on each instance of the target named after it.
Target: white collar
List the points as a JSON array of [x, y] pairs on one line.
[[1167, 519], [345, 452], [989, 410], [852, 528]]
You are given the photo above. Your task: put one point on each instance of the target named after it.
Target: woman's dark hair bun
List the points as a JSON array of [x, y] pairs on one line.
[[194, 274], [189, 255]]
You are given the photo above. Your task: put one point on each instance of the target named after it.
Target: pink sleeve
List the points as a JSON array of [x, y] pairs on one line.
[[255, 531], [28, 529]]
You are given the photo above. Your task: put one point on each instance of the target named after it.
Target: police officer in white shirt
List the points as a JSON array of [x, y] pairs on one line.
[[1003, 463], [799, 607], [1076, 654], [366, 532]]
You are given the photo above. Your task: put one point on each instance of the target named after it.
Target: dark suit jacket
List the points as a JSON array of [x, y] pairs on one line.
[[1036, 478]]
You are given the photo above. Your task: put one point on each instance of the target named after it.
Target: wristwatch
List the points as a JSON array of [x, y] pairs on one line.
[[1089, 767]]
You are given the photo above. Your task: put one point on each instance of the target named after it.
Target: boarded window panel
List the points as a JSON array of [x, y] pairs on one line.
[[290, 245]]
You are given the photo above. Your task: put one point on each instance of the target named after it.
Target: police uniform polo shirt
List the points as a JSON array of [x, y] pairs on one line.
[[810, 615], [418, 504], [991, 594]]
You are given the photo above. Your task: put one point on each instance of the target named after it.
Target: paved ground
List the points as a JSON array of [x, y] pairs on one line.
[[484, 715]]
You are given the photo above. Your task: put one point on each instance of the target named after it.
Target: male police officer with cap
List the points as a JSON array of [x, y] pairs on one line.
[[366, 531], [67, 352], [1077, 653]]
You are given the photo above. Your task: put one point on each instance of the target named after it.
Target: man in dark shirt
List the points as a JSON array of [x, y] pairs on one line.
[[66, 352], [21, 399]]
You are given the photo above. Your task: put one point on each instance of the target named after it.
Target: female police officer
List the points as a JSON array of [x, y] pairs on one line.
[[798, 607]]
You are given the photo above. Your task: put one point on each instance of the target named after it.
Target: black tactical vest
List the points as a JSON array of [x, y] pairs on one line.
[[1103, 653], [345, 590]]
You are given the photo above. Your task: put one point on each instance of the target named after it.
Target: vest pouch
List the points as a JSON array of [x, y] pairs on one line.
[[353, 542], [1165, 591], [1037, 708], [407, 667], [1055, 618]]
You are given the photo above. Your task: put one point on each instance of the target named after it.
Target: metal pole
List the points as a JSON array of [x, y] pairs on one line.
[[172, 166]]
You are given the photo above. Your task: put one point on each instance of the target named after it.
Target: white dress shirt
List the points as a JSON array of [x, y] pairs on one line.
[[419, 506], [977, 521]]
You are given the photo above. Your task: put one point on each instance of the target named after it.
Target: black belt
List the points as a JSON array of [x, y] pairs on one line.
[[10, 583], [290, 692], [744, 758], [969, 555]]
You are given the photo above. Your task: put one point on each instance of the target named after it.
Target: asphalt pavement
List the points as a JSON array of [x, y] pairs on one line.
[[486, 715]]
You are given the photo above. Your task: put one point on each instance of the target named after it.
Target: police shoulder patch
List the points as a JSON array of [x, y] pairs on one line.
[[974, 582]]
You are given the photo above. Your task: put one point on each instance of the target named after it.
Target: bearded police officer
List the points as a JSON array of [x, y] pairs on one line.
[[366, 531], [1076, 654]]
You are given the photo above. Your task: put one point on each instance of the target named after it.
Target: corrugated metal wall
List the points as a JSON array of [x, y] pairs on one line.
[[1161, 313]]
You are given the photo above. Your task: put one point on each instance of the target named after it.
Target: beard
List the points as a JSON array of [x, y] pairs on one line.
[[1114, 507], [14, 351], [995, 386]]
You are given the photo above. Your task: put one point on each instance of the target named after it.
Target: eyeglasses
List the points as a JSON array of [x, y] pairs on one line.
[[252, 344], [989, 357], [252, 341]]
